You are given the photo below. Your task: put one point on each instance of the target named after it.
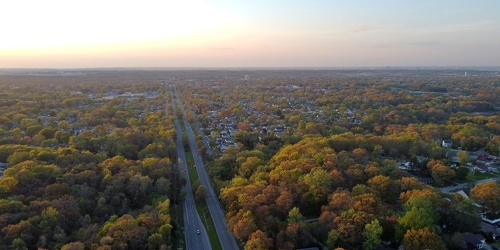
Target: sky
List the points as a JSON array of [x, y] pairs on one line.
[[248, 33]]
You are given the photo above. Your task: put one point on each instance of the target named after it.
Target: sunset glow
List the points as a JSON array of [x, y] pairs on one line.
[[220, 33]]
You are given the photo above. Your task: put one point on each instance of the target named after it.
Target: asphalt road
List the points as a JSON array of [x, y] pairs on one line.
[[192, 220], [205, 139], [226, 238], [451, 189]]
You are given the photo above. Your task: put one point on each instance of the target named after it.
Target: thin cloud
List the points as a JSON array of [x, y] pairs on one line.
[[470, 27], [361, 28], [425, 43], [406, 44], [220, 48]]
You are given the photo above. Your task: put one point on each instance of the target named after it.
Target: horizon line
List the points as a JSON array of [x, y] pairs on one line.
[[254, 68]]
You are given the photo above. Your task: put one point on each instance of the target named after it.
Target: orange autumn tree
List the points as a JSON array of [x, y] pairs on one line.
[[488, 195]]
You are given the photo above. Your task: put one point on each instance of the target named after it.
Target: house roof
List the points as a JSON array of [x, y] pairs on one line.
[[473, 239], [485, 227], [462, 193]]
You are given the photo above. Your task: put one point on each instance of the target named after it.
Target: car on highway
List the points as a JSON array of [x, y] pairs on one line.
[[198, 231]]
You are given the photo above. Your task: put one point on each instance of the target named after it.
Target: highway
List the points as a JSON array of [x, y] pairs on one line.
[[226, 238], [205, 139], [192, 220]]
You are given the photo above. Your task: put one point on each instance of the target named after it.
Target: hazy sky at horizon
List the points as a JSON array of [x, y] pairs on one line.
[[237, 33]]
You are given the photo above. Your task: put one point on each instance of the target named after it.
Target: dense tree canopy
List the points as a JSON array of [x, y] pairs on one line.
[[82, 176], [335, 159]]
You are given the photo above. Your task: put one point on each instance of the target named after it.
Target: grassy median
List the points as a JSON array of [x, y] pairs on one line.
[[202, 207]]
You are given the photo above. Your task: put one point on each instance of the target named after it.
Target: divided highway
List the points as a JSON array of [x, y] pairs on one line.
[[194, 232], [226, 238]]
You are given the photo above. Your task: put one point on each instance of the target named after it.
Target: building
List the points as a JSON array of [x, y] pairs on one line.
[[446, 143], [474, 241]]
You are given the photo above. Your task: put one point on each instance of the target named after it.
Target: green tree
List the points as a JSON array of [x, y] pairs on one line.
[[319, 184], [464, 215], [18, 244], [454, 241], [463, 157], [155, 241], [18, 157], [371, 235], [48, 222], [63, 125], [200, 193], [302, 125], [333, 237], [461, 173], [470, 179], [62, 136], [185, 141], [47, 132], [419, 214], [33, 130], [248, 167], [248, 139], [294, 216], [83, 141]]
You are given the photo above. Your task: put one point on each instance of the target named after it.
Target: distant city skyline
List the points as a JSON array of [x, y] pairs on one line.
[[224, 33]]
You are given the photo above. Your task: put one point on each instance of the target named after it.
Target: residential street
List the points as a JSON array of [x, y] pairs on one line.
[[451, 189]]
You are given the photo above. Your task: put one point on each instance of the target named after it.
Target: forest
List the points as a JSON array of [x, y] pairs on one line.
[[90, 165], [334, 159]]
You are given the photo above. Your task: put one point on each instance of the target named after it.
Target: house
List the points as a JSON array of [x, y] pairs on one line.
[[492, 167], [480, 169], [424, 180], [279, 129], [405, 166], [473, 156], [421, 158], [488, 228], [446, 143], [491, 221], [462, 193], [482, 155], [474, 241]]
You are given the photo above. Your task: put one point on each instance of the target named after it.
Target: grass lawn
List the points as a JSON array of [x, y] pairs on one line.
[[481, 176]]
